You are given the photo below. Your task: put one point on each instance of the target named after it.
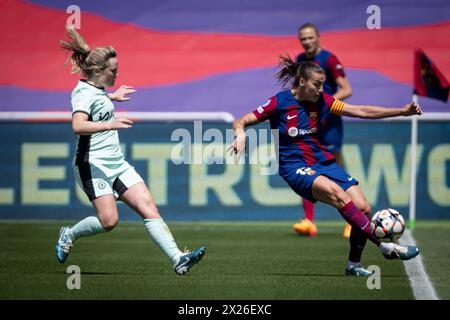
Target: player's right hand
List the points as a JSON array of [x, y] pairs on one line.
[[237, 147], [121, 123]]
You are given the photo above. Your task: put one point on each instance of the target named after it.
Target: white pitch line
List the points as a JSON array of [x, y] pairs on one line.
[[420, 284]]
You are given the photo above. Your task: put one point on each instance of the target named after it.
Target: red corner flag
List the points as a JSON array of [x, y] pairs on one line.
[[428, 80]]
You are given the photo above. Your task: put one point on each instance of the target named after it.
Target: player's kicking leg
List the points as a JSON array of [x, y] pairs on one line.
[[139, 198], [401, 252], [329, 192]]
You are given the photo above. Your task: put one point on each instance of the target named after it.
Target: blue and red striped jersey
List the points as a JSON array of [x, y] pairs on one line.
[[299, 123], [330, 64]]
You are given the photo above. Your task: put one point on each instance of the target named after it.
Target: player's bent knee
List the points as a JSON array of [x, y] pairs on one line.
[[109, 223]]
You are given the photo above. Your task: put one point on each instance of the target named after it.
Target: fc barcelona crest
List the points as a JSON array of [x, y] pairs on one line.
[[313, 115]]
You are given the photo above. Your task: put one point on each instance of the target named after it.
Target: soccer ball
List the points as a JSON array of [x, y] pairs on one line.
[[388, 225]]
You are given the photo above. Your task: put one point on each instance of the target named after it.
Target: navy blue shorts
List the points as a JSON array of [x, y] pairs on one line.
[[301, 179], [332, 134]]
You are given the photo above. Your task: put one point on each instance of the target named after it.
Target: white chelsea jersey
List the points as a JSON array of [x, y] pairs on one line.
[[103, 146]]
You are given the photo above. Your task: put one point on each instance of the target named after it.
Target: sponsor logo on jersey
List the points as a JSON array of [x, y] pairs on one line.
[[291, 117], [105, 117], [303, 132], [293, 131]]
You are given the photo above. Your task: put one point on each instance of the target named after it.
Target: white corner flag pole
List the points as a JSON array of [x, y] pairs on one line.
[[412, 189]]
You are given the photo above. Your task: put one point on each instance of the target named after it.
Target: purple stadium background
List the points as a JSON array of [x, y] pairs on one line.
[[231, 87]]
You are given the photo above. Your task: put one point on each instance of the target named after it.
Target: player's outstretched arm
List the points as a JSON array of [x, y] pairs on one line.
[[374, 112], [239, 126], [82, 126]]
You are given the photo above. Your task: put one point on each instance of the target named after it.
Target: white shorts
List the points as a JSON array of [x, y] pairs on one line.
[[98, 179]]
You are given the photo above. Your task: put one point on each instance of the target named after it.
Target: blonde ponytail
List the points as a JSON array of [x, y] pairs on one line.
[[84, 60]]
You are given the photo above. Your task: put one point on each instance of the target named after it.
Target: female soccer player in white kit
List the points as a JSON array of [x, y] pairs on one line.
[[99, 164]]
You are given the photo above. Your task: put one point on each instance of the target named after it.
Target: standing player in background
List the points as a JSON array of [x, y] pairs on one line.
[[306, 166], [99, 164], [336, 85]]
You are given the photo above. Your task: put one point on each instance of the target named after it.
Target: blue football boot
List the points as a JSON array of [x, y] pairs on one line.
[[64, 245], [358, 271], [188, 260], [402, 253]]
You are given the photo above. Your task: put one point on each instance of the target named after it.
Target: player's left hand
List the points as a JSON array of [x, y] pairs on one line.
[[121, 93], [412, 109]]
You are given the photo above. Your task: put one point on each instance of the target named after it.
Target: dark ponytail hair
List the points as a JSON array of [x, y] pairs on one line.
[[293, 71]]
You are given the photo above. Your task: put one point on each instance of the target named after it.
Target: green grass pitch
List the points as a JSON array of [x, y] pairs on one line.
[[244, 260]]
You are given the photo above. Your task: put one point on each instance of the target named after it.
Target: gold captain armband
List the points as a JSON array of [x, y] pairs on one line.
[[337, 107]]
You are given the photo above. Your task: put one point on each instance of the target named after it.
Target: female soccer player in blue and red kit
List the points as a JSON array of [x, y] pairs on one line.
[[332, 133], [305, 164]]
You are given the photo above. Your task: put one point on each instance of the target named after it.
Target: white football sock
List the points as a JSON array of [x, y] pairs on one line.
[[86, 227], [387, 248], [161, 235]]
